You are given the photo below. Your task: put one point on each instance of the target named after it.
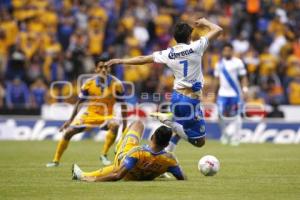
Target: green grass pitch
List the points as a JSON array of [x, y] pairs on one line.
[[251, 171]]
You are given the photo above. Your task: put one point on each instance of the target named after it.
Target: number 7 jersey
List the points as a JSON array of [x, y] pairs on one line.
[[185, 61]]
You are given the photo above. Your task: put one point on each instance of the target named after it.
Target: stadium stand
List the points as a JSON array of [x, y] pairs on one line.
[[43, 41]]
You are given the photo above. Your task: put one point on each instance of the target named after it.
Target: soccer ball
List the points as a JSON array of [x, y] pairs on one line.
[[209, 165]]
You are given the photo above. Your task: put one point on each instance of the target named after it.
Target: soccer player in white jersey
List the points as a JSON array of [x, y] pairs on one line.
[[184, 59], [229, 72]]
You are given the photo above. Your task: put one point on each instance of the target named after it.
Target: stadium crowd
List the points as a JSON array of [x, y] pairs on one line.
[[42, 41]]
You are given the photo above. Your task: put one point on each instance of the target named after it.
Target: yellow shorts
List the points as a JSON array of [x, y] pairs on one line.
[[90, 119], [129, 140]]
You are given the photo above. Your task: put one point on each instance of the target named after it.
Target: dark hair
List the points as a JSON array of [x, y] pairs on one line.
[[102, 58], [227, 44], [162, 135], [182, 32]]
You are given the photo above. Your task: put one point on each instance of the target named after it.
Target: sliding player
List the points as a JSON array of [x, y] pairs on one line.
[[227, 72], [99, 94], [135, 162], [184, 59]]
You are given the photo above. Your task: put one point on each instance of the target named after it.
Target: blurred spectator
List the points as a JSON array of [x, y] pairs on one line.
[[59, 40], [17, 94], [294, 89], [38, 93], [65, 28], [251, 60], [240, 44], [16, 65], [253, 97]]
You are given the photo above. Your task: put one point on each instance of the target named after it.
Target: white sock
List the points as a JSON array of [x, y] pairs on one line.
[[176, 128], [223, 126], [171, 147], [237, 128]]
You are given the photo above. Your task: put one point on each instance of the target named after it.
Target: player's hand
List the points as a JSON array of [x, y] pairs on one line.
[[201, 21], [112, 62], [245, 93], [65, 125]]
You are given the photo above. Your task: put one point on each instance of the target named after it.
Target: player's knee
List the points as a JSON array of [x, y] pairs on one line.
[[199, 142], [69, 133], [114, 127], [137, 126]]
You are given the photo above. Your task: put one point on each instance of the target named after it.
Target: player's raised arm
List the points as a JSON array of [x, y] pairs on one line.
[[214, 29], [139, 60]]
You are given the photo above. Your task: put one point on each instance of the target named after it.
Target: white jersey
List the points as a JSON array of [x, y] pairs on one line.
[[185, 62], [235, 68]]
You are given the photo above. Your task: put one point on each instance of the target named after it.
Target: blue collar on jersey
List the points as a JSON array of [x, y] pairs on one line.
[[148, 148], [108, 81]]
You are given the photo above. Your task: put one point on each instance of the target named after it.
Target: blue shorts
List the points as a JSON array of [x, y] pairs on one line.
[[228, 106], [188, 113]]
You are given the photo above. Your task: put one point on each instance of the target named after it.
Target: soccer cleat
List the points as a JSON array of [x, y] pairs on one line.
[[76, 172], [105, 161], [234, 141], [224, 139], [52, 164], [162, 117], [165, 175]]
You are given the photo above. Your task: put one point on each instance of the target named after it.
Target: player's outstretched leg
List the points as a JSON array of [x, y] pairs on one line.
[[62, 145], [194, 135], [111, 136], [167, 119], [129, 140]]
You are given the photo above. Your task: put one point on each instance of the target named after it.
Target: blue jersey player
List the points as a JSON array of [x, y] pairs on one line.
[[184, 59]]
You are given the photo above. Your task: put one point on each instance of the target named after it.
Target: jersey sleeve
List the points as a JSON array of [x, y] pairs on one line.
[[175, 171], [131, 158], [174, 167], [84, 90], [129, 162], [241, 68], [217, 70], [199, 46], [161, 56]]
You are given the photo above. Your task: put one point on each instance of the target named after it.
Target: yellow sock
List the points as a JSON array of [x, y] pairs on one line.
[[100, 172], [109, 140], [61, 147]]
